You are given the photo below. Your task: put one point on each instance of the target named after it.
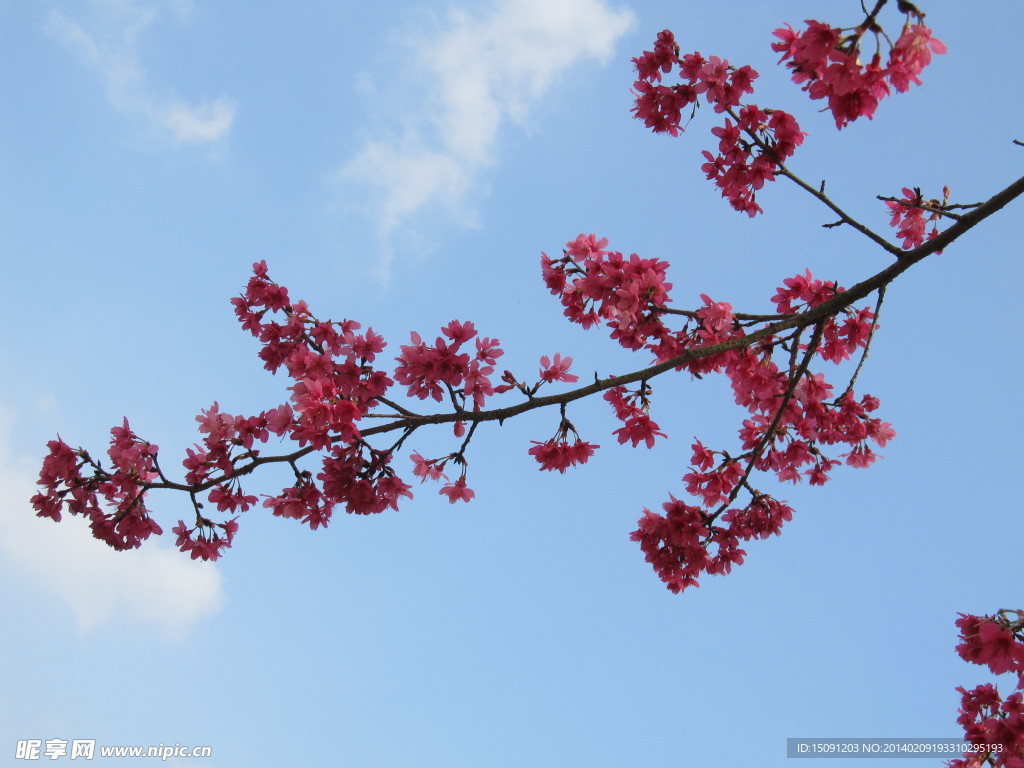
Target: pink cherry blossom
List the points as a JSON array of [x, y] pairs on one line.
[[559, 454], [427, 470], [911, 54], [458, 491], [827, 64], [557, 369]]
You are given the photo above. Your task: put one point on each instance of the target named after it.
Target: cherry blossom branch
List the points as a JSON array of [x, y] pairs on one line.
[[327, 421], [968, 221], [336, 384], [826, 309], [782, 170], [931, 206]]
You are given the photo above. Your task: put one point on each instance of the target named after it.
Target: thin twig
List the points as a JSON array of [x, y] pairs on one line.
[[867, 346], [769, 435]]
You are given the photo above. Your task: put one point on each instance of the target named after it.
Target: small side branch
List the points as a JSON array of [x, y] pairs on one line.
[[844, 217], [769, 435], [867, 346]]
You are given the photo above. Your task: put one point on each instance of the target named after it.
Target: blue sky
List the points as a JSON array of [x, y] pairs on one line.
[[403, 164]]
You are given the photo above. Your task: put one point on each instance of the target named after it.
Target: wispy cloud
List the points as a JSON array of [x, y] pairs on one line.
[[109, 44], [154, 585], [476, 72]]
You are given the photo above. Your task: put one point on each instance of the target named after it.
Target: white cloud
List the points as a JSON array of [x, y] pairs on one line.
[[109, 45], [201, 124], [155, 584], [476, 73]]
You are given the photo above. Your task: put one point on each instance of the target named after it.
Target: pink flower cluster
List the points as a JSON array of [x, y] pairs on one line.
[[690, 539], [558, 453], [827, 64], [336, 385], [433, 469], [741, 168], [839, 340], [557, 369], [987, 718], [911, 215], [594, 284], [660, 107], [793, 419], [336, 382], [632, 408], [122, 488], [994, 642], [208, 543], [750, 150], [430, 370]]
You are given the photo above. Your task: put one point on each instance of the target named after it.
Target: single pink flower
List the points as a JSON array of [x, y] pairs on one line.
[[457, 491]]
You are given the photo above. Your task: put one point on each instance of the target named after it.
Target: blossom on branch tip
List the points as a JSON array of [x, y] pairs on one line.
[[702, 458], [557, 369], [228, 499], [750, 151], [861, 456], [560, 454], [911, 54], [457, 491], [427, 470], [208, 544], [638, 427], [651, 64], [826, 63], [911, 215], [303, 502]]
